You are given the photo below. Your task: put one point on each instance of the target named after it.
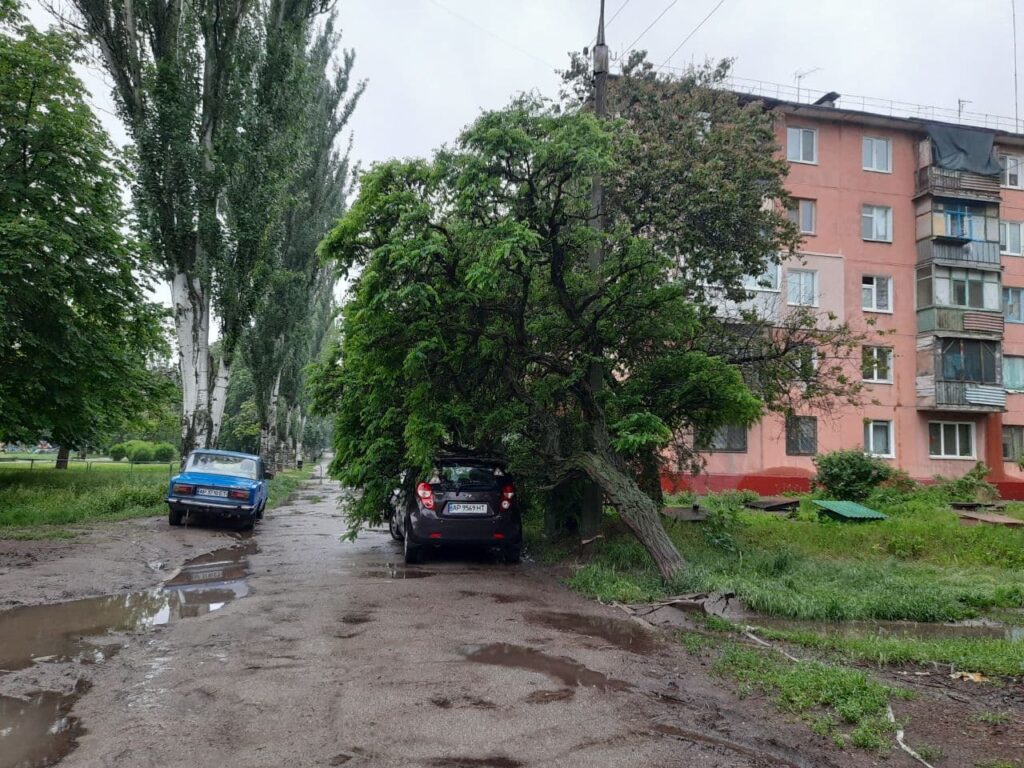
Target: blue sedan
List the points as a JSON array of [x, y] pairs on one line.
[[222, 483]]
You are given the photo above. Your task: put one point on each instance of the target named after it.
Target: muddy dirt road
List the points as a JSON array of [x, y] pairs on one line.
[[296, 649]]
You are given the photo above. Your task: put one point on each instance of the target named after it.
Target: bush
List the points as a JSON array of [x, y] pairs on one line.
[[970, 487], [850, 475], [163, 452], [117, 451], [141, 453]]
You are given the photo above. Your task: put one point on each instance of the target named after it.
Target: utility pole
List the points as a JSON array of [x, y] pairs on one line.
[[593, 498]]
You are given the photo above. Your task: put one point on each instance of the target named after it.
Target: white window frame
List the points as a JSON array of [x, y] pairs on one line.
[[1008, 291], [1004, 237], [1006, 375], [769, 280], [801, 275], [798, 209], [1006, 162], [799, 145], [869, 438], [875, 353], [874, 294], [875, 209], [874, 154], [942, 439]]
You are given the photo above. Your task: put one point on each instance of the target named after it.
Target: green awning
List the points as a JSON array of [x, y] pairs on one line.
[[848, 510]]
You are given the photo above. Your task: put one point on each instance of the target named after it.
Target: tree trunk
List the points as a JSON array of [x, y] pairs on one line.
[[268, 429], [192, 326], [650, 478], [300, 431], [637, 509], [218, 398], [63, 452]]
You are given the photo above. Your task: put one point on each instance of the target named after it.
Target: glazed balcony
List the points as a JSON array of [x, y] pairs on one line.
[[980, 254]]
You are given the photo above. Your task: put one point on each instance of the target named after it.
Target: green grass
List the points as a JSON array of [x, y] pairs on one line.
[[840, 702], [992, 718], [36, 504]]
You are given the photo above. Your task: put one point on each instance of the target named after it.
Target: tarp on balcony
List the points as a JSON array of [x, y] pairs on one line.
[[963, 149]]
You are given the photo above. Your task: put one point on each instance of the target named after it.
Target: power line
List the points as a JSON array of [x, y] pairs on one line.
[[649, 26], [614, 15], [495, 35], [693, 32]]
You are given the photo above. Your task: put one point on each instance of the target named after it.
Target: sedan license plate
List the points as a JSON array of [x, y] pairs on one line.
[[211, 492], [461, 508]]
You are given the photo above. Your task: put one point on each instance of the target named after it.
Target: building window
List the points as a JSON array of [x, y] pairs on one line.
[[766, 281], [1013, 373], [971, 288], [730, 438], [802, 145], [876, 364], [1013, 305], [1009, 238], [970, 360], [801, 435], [1013, 443], [803, 213], [878, 438], [1011, 171], [877, 154], [802, 287], [876, 293], [950, 440], [803, 359], [876, 223]]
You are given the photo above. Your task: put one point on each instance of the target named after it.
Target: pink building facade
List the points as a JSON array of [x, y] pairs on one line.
[[912, 233]]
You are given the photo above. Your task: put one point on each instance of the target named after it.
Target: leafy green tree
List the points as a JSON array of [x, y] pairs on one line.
[[77, 331]]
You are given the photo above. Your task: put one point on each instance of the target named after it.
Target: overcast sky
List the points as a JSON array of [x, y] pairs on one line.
[[433, 65]]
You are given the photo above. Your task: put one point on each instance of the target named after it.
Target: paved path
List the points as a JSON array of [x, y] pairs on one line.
[[339, 655]]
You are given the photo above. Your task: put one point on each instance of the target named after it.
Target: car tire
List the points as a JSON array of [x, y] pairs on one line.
[[259, 512], [413, 554], [396, 534], [174, 517], [248, 523], [513, 555]]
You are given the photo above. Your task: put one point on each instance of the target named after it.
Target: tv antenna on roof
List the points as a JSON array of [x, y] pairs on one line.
[[800, 74], [960, 104]]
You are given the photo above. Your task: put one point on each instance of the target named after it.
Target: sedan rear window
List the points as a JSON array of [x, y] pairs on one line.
[[214, 464], [470, 476]]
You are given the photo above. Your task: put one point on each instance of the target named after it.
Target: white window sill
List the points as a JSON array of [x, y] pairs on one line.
[[803, 162], [882, 455], [1011, 253], [873, 240], [953, 458], [878, 311], [810, 306], [877, 170], [876, 381]]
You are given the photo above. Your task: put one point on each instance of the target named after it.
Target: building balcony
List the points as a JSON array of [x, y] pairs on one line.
[[959, 396], [943, 182], [978, 254], [953, 320]]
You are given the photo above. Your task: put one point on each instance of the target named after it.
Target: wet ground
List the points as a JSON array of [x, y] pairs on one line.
[[295, 648]]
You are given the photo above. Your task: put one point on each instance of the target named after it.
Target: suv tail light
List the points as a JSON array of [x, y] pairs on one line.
[[182, 489], [238, 494], [506, 497], [426, 494]]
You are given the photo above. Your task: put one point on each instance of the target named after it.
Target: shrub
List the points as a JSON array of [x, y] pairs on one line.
[[850, 475], [163, 452], [970, 487], [141, 453], [117, 451]]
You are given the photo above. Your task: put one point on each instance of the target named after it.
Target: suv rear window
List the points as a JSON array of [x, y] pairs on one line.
[[468, 475]]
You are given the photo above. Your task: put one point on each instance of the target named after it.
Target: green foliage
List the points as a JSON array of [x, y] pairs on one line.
[[164, 452], [140, 453], [850, 475], [77, 327], [118, 451], [48, 497], [971, 486]]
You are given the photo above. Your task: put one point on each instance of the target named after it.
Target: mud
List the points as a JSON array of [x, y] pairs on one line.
[[474, 762], [621, 633], [564, 670], [893, 628], [37, 731]]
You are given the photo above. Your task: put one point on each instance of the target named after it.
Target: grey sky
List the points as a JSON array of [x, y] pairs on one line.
[[433, 65]]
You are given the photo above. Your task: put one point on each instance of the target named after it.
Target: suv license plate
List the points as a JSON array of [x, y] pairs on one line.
[[211, 492], [461, 508]]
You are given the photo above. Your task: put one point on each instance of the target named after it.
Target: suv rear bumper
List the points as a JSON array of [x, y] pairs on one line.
[[497, 531]]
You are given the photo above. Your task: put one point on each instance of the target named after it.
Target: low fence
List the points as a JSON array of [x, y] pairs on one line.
[[51, 463]]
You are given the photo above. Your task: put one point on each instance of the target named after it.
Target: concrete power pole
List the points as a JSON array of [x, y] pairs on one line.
[[593, 497]]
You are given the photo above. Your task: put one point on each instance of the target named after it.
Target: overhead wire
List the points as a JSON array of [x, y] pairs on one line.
[[650, 26], [614, 16], [495, 35], [693, 32]]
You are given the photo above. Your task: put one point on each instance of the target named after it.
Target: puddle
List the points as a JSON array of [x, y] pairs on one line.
[[566, 671], [39, 732], [620, 633], [474, 762], [391, 571], [893, 628]]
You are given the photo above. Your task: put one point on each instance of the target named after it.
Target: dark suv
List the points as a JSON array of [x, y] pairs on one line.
[[465, 500]]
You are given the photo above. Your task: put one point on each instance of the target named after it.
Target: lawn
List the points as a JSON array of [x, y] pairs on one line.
[[37, 503]]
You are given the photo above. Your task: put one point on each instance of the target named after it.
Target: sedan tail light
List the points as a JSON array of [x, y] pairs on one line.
[[238, 494], [506, 496], [182, 489], [426, 494]]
